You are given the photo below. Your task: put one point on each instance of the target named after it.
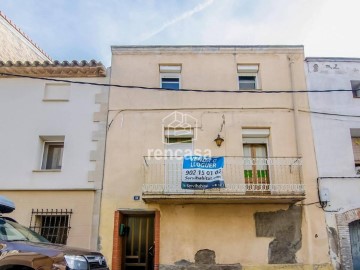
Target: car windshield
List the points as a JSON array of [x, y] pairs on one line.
[[12, 231]]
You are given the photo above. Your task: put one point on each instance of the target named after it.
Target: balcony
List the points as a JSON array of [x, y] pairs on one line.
[[247, 180]]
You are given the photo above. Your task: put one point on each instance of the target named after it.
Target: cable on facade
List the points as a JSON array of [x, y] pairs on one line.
[[178, 90], [307, 204]]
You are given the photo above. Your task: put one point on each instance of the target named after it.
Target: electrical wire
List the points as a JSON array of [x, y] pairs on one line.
[[307, 204], [179, 90], [194, 90]]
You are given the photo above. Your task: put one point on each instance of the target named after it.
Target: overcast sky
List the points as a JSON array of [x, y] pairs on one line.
[[85, 29]]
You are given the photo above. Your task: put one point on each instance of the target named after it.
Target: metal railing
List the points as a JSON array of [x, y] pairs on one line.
[[242, 175]]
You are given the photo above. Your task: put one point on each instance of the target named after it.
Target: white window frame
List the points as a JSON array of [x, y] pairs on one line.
[[256, 136], [170, 76], [44, 156], [354, 140], [248, 70], [171, 71], [173, 163]]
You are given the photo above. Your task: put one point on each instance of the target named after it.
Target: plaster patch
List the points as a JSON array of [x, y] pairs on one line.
[[285, 227]]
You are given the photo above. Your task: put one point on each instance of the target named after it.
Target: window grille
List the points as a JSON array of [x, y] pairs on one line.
[[52, 224]]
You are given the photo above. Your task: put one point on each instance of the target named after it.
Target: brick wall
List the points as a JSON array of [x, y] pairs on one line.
[[117, 242], [157, 240], [343, 220]]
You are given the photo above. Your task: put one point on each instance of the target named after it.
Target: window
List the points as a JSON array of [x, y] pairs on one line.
[[52, 158], [356, 150], [248, 77], [179, 142], [355, 85], [247, 82], [256, 171], [54, 225], [170, 83], [53, 148], [170, 76]]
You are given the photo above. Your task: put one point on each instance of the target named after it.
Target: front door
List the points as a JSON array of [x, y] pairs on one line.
[[355, 243], [139, 242]]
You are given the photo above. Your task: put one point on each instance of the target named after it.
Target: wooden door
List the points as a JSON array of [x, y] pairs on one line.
[[355, 243], [139, 242], [256, 169]]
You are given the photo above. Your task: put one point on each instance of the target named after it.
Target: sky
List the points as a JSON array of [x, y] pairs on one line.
[[85, 29]]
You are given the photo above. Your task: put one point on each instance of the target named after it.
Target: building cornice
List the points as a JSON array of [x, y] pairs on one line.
[[332, 59], [211, 49], [54, 69]]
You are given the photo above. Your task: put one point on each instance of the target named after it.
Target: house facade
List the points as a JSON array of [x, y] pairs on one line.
[[16, 45], [336, 127], [52, 146], [240, 112]]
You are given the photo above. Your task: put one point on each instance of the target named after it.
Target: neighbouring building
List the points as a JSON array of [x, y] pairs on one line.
[[265, 217], [335, 120], [16, 45], [52, 147]]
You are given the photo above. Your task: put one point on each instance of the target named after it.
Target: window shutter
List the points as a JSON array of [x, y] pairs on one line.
[[356, 148], [170, 68]]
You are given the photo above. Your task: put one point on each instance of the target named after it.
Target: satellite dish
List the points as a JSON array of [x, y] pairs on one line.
[[6, 205]]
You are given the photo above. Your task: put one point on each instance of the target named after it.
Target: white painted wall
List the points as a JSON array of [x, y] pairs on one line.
[[332, 136], [24, 116], [332, 133]]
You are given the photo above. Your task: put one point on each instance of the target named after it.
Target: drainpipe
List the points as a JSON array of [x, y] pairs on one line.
[[307, 219], [295, 107]]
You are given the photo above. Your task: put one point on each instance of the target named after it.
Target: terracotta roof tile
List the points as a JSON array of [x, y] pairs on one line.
[[54, 69]]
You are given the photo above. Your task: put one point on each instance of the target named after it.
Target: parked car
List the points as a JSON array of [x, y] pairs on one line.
[[24, 249]]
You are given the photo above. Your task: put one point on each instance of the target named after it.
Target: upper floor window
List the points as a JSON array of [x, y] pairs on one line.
[[170, 76], [356, 150], [255, 148], [53, 148], [355, 86], [179, 142], [248, 76]]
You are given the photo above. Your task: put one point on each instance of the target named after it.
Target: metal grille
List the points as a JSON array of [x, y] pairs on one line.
[[52, 224]]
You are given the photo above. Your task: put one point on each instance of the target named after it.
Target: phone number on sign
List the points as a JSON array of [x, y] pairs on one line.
[[202, 172]]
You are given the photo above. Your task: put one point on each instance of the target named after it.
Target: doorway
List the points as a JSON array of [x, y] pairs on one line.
[[138, 242], [354, 228], [256, 171]]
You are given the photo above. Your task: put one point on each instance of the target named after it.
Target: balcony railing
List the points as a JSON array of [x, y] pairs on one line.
[[261, 179]]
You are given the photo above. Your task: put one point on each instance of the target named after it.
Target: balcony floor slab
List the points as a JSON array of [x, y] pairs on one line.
[[222, 199]]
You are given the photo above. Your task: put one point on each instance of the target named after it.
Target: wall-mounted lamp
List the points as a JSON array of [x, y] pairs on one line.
[[218, 140]]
